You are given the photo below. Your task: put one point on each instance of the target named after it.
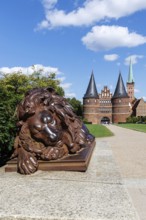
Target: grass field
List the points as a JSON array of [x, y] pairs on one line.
[[136, 127], [99, 130]]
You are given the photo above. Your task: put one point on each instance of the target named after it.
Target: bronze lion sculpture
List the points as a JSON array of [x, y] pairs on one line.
[[48, 129]]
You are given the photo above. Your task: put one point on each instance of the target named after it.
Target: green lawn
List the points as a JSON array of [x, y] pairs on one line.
[[137, 127], [99, 130]]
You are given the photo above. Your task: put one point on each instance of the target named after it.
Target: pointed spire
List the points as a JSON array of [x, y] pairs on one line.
[[120, 91], [130, 75], [91, 90]]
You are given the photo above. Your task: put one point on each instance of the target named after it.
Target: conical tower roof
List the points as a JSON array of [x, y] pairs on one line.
[[130, 75], [91, 90], [120, 91]]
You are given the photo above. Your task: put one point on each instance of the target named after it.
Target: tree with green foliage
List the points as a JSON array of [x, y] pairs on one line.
[[131, 119], [12, 90], [77, 106], [134, 119]]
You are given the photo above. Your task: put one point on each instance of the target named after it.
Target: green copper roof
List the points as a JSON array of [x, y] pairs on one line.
[[91, 90], [130, 75]]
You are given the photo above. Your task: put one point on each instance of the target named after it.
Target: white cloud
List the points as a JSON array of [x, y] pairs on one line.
[[45, 70], [90, 12], [136, 90], [70, 95], [134, 59], [61, 79], [144, 97], [110, 37], [66, 85], [111, 57], [49, 4]]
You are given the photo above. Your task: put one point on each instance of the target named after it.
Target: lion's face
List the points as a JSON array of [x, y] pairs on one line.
[[44, 128]]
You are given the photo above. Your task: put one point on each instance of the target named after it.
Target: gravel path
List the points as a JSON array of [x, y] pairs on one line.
[[112, 188], [129, 150]]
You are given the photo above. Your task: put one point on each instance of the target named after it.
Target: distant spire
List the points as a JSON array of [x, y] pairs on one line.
[[130, 75], [91, 90], [120, 91]]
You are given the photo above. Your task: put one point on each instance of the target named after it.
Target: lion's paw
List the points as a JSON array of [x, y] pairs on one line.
[[27, 162]]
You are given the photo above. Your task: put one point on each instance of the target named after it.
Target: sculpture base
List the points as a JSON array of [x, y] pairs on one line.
[[76, 162]]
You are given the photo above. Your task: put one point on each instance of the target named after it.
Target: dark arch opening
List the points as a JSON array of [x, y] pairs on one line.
[[105, 120]]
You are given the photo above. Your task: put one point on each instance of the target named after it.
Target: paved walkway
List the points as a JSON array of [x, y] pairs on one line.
[[129, 150], [113, 187]]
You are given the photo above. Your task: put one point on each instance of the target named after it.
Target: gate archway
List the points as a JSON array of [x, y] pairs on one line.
[[105, 120]]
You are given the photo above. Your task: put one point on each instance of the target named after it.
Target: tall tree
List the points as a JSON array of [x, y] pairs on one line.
[[12, 90], [77, 106]]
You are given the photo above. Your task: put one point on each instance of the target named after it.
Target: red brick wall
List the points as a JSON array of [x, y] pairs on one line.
[[117, 111], [130, 91], [121, 109], [91, 109]]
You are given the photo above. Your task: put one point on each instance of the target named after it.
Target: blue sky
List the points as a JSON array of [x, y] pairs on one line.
[[74, 37]]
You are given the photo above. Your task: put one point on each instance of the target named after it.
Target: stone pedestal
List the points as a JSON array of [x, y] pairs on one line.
[[77, 162]]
